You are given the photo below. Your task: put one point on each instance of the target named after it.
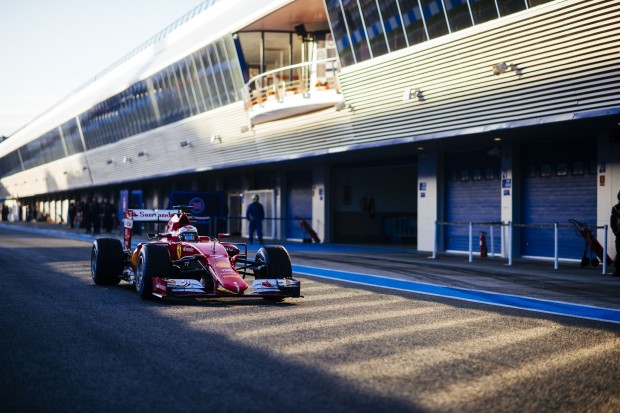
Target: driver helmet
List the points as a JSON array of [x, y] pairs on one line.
[[188, 233]]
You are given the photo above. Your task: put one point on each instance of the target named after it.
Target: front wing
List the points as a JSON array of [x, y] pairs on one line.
[[183, 287]]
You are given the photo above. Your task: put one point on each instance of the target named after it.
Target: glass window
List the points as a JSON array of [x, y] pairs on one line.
[[124, 123], [195, 76], [182, 87], [144, 103], [10, 164], [153, 108], [217, 75], [234, 68], [339, 28], [507, 7], [211, 77], [226, 69], [162, 96], [87, 122], [412, 17], [277, 50], [434, 17], [251, 44], [374, 27], [483, 10], [174, 100], [393, 24], [192, 88], [297, 49], [71, 134], [356, 30], [201, 61], [458, 14]]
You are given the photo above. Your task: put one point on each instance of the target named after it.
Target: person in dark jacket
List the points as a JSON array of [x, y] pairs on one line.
[[108, 215], [72, 214], [614, 224], [255, 215]]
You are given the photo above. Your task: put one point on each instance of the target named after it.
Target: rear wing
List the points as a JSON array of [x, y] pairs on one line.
[[143, 215]]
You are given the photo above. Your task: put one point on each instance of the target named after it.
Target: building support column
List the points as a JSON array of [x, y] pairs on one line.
[[608, 185], [320, 204], [429, 202], [509, 206]]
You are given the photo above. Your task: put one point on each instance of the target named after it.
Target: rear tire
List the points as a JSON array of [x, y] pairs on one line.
[[277, 260], [106, 261], [154, 260]]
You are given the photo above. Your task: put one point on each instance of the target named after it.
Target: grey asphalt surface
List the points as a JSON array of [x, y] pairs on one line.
[[68, 345]]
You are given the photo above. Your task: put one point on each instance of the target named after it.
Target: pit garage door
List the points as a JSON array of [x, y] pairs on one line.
[[559, 183], [298, 203], [473, 194]]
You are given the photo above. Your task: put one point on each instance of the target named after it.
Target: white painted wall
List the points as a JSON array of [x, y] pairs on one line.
[[608, 185], [428, 199], [319, 202]]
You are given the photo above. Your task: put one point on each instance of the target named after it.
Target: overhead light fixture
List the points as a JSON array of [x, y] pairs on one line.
[[497, 139], [413, 94], [185, 144], [300, 30], [503, 67]]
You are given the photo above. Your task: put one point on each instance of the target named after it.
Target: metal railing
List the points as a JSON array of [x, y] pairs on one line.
[[296, 79], [506, 229]]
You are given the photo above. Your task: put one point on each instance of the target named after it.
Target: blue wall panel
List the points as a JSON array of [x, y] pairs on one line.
[[559, 184], [299, 203], [473, 194]]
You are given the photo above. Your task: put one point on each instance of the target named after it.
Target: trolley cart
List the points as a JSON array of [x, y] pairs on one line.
[[591, 243]]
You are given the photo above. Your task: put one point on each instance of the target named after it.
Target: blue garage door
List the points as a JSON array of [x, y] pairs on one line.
[[559, 184], [298, 203], [473, 194]]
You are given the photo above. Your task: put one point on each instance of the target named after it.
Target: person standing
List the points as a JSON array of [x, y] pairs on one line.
[[72, 214], [255, 215], [96, 216], [614, 224], [108, 215]]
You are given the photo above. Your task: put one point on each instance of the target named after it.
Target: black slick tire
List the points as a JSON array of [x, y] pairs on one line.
[[106, 261], [276, 261], [154, 260]]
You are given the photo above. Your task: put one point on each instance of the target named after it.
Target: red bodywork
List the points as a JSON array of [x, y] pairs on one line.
[[217, 257]]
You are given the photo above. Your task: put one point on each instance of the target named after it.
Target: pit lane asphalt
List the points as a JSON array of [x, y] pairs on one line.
[[570, 290], [72, 346]]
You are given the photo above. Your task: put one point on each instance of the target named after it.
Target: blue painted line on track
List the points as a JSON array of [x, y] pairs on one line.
[[484, 297]]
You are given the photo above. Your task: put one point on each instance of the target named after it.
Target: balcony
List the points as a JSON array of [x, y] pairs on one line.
[[293, 90]]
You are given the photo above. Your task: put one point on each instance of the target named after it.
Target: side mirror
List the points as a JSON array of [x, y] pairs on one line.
[[222, 235]]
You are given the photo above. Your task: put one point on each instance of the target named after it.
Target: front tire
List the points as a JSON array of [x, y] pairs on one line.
[[106, 261], [276, 260], [154, 260]]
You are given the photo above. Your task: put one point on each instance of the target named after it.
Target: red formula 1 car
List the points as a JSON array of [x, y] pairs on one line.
[[179, 262]]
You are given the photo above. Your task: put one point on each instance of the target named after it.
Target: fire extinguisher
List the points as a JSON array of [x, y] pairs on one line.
[[483, 244]]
